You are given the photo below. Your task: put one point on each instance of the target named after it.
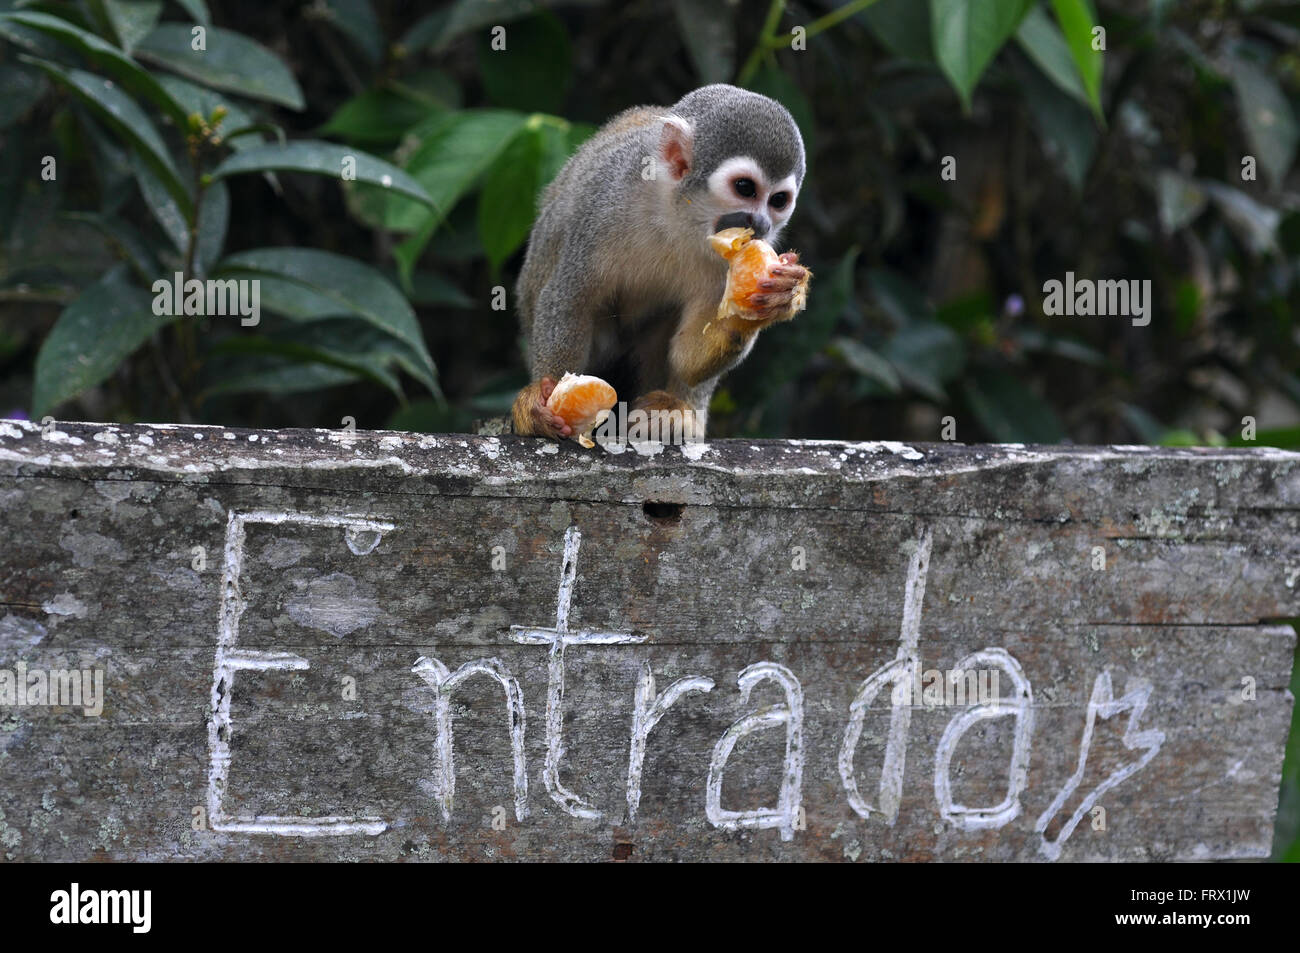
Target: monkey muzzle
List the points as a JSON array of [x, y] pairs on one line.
[[760, 223]]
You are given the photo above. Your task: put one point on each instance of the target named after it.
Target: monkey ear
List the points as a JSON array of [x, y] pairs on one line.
[[675, 144]]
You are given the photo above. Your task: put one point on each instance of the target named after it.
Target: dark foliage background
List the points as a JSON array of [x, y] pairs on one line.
[[1168, 156]]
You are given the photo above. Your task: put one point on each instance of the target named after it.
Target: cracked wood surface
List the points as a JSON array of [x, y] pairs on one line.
[[258, 603]]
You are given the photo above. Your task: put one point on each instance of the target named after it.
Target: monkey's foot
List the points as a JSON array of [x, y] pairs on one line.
[[531, 416], [665, 425]]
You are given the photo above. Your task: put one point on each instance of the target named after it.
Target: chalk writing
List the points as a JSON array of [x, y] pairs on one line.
[[647, 709], [790, 715], [363, 535], [230, 659], [1104, 704], [437, 676], [558, 638], [902, 671]]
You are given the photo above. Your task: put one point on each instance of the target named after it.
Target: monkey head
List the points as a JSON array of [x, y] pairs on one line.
[[733, 159]]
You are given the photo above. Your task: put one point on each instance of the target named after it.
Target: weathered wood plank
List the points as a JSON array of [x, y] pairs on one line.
[[274, 683]]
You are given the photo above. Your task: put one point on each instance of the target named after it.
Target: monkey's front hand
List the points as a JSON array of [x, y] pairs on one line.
[[531, 416], [783, 293]]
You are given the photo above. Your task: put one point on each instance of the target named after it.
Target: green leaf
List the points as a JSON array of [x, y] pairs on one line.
[[356, 20], [1179, 200], [278, 376], [231, 62], [381, 115], [434, 291], [1253, 222], [708, 30], [297, 301], [92, 336], [347, 344], [435, 88], [1271, 126], [214, 220], [1009, 411], [165, 210], [23, 88], [111, 159], [1286, 438], [126, 238], [868, 363], [926, 355], [1077, 25], [201, 100], [902, 301], [356, 288], [423, 32], [132, 20], [121, 113], [903, 26], [533, 73], [466, 16], [508, 203], [197, 9], [1068, 132], [1032, 339], [1043, 42], [324, 158], [99, 52], [456, 149], [967, 35]]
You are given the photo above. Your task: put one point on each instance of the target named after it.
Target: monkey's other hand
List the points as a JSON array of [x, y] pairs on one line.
[[784, 292], [531, 416]]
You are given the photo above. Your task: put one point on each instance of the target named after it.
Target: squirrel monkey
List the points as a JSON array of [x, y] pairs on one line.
[[619, 279]]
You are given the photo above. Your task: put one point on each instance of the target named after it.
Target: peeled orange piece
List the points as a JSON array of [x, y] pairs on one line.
[[583, 402], [750, 259]]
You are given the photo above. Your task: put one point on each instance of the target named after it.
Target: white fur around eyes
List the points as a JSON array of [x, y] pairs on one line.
[[738, 167], [735, 168]]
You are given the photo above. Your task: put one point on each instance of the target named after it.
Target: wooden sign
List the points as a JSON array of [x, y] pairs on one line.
[[314, 645]]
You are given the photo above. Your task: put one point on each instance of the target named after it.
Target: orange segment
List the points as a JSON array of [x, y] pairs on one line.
[[750, 259]]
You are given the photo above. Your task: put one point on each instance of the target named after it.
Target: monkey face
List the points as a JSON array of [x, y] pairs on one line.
[[740, 195], [735, 159]]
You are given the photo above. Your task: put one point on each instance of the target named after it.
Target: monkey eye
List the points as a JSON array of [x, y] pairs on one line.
[[779, 200], [745, 188]]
